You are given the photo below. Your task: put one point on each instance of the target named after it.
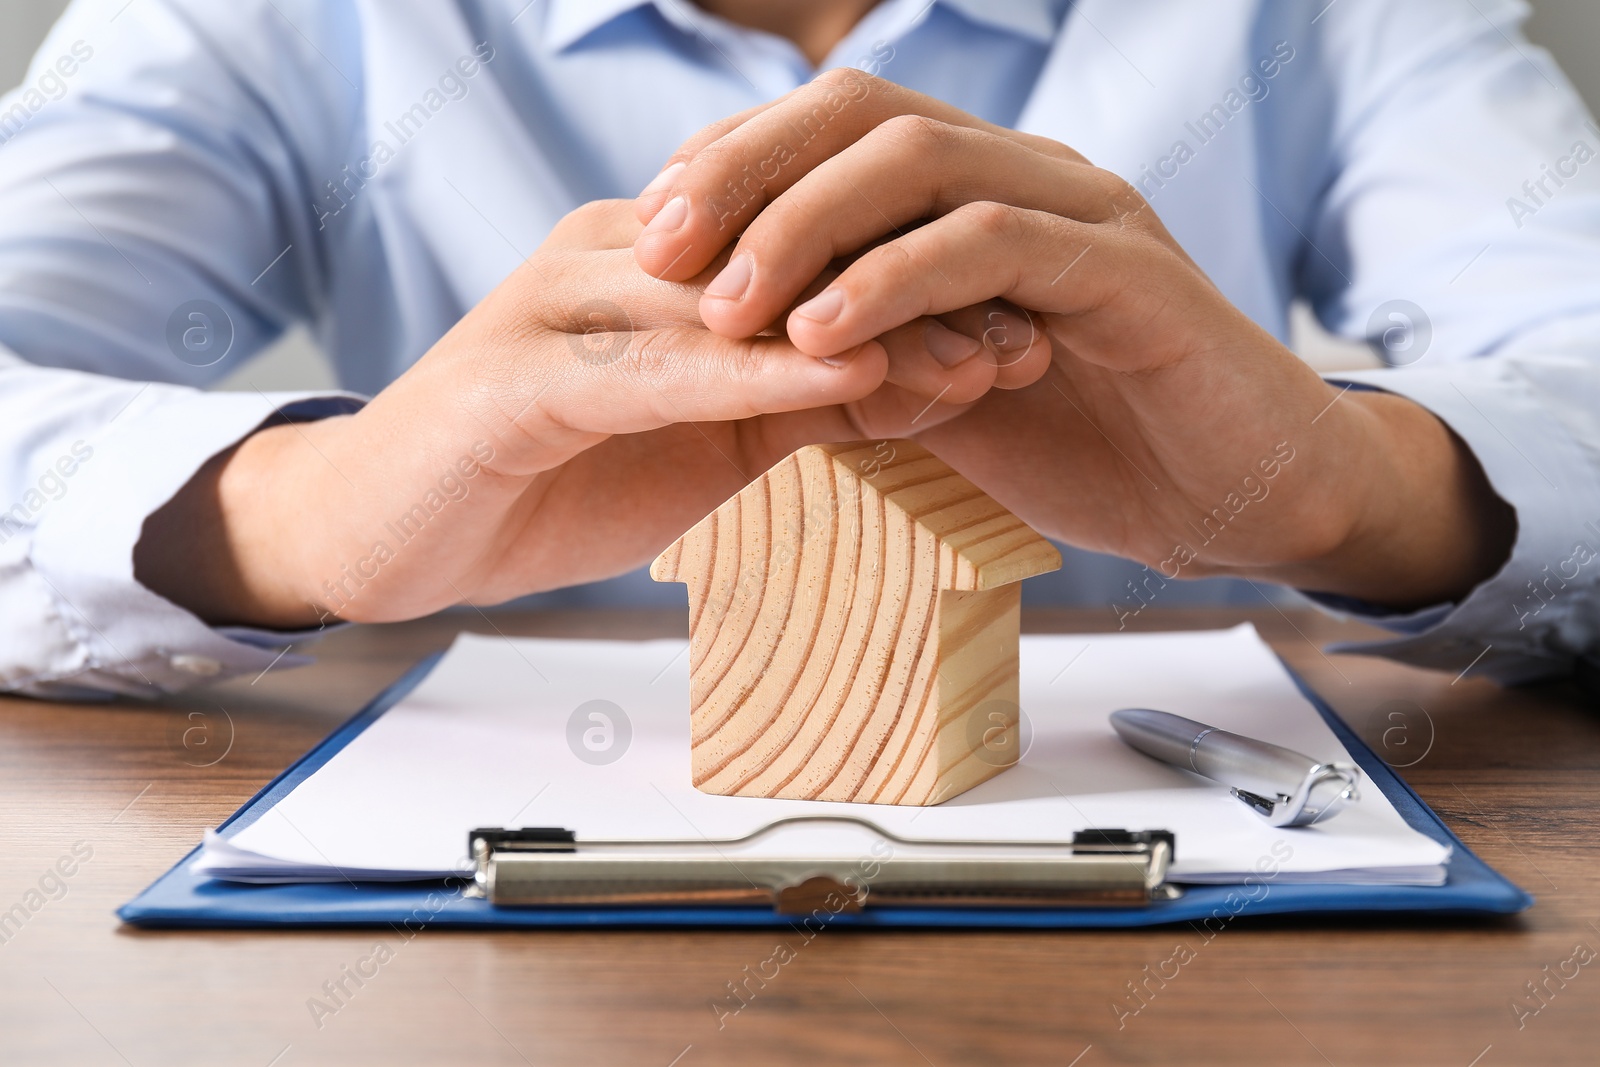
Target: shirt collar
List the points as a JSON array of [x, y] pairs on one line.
[[1037, 20], [569, 21]]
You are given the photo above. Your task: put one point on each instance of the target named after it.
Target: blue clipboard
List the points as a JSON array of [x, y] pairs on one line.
[[181, 898]]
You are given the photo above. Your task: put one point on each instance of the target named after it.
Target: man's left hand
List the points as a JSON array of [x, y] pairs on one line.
[[1135, 401]]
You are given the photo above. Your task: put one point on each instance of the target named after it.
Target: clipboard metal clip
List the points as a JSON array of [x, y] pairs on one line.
[[853, 864]]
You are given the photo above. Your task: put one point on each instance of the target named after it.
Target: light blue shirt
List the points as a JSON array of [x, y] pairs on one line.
[[182, 181]]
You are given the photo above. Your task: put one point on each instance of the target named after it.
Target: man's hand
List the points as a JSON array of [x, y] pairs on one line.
[[565, 430], [1163, 422]]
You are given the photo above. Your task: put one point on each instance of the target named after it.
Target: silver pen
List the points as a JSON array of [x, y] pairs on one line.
[[1282, 786]]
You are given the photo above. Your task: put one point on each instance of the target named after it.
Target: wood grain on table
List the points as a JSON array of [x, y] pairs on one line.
[[1516, 773]]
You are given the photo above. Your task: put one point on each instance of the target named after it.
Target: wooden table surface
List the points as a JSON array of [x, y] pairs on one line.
[[1515, 773]]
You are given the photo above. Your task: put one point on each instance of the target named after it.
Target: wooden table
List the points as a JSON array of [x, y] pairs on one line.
[[1516, 774]]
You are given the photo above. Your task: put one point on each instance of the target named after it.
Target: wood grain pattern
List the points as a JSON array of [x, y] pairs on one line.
[[1516, 773], [850, 612]]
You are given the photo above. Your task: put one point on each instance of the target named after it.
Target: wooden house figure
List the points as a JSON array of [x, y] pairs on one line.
[[854, 618]]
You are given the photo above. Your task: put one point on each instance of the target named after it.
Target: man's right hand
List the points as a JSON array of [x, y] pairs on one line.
[[563, 431]]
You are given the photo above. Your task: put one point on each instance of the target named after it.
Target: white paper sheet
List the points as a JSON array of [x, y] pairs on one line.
[[483, 741]]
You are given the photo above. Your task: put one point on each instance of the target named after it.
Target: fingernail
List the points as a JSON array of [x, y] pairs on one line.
[[947, 346], [663, 180], [734, 279], [1008, 331], [670, 217], [823, 308], [840, 359]]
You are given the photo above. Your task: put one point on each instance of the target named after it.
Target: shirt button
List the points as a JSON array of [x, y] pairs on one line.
[[199, 666]]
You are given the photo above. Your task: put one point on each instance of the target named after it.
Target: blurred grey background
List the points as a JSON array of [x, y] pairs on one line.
[[1568, 28]]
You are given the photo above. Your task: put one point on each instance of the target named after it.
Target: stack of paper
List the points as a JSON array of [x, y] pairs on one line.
[[504, 733]]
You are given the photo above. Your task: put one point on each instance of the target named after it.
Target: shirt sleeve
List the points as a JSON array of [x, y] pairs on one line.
[[155, 230], [1532, 423], [1459, 232], [87, 458]]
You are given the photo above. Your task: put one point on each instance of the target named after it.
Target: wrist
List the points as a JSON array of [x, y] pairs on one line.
[[229, 545], [277, 496], [1422, 524]]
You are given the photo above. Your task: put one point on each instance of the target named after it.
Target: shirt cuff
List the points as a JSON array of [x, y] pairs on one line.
[[102, 631], [1532, 618]]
